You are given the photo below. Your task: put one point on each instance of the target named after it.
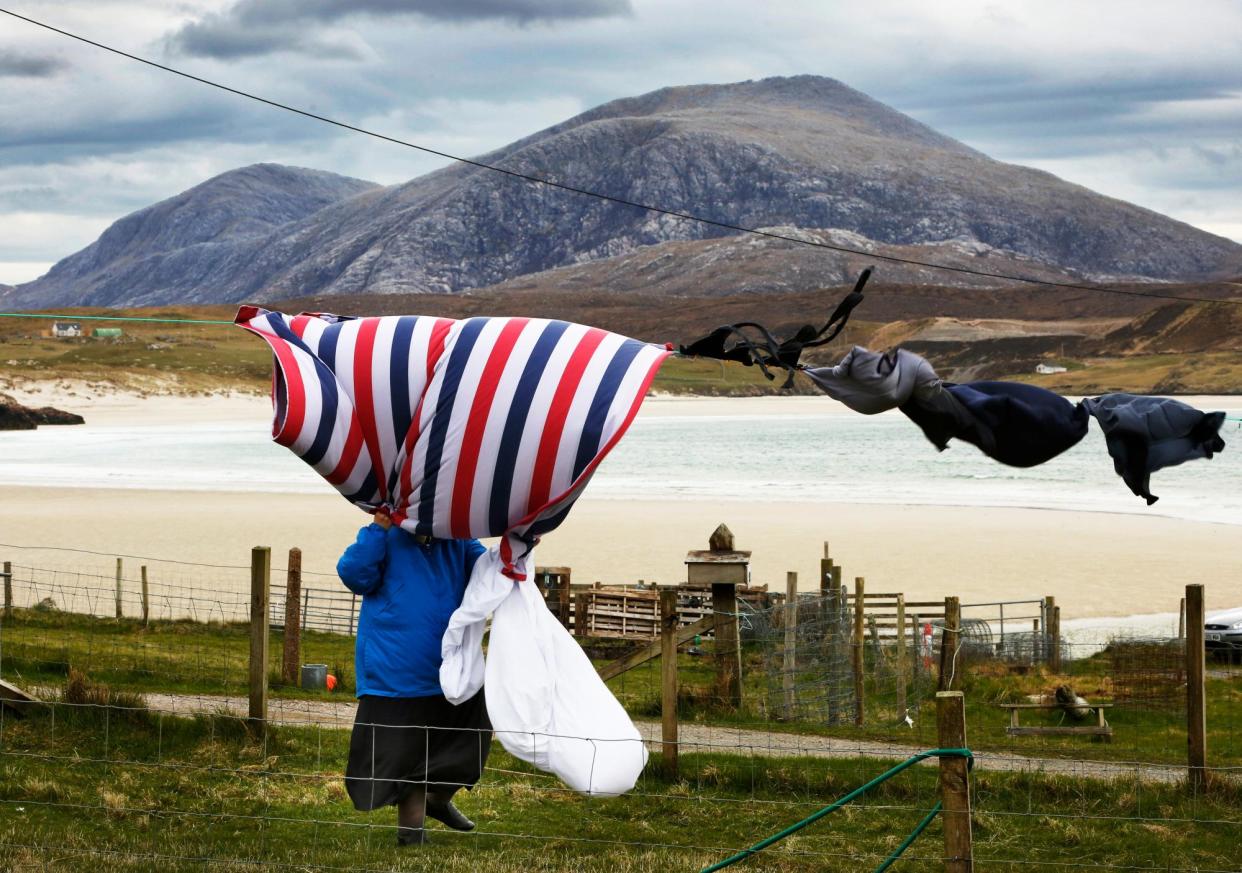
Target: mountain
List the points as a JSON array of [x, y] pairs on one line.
[[803, 152], [160, 253]]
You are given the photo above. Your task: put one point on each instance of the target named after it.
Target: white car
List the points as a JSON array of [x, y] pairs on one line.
[[1222, 634]]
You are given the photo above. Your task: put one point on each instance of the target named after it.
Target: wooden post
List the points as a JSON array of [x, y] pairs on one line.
[[903, 711], [825, 572], [950, 641], [8, 590], [291, 659], [563, 599], [146, 599], [1196, 699], [1054, 640], [954, 783], [791, 643], [582, 617], [260, 584], [859, 605], [119, 612], [832, 640], [728, 644], [1050, 603], [1181, 620], [668, 680]]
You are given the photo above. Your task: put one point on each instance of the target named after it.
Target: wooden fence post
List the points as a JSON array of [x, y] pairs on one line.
[[790, 664], [825, 572], [833, 642], [859, 691], [119, 612], [1054, 639], [954, 783], [950, 641], [8, 590], [1181, 620], [291, 659], [146, 599], [668, 680], [582, 614], [1050, 603], [260, 584], [1196, 699], [728, 644], [903, 711], [564, 595]]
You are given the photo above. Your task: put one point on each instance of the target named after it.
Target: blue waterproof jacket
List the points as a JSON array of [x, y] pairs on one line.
[[408, 592]]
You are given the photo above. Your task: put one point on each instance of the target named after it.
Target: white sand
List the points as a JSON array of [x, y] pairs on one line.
[[1096, 564]]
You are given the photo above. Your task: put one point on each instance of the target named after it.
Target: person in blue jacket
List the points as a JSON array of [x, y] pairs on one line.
[[410, 747]]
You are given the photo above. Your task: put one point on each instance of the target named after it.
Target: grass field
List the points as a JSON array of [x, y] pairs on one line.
[[196, 359], [39, 648], [205, 358], [130, 790]]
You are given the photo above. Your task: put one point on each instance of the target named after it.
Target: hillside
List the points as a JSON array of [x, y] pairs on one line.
[[1174, 348], [179, 243], [801, 152]]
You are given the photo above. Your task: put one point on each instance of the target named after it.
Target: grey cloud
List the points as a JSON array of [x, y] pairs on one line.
[[29, 66], [226, 39], [260, 27], [1070, 116]]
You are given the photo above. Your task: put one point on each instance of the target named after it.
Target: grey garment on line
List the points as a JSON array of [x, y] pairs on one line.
[[1146, 434], [870, 382]]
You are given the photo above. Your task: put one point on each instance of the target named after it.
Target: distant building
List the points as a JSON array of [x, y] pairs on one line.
[[106, 332], [1045, 369], [66, 328]]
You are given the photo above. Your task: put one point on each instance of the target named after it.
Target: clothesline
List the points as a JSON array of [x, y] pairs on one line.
[[1015, 423]]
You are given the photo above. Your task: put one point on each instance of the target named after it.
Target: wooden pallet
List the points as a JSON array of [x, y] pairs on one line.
[[1100, 729]]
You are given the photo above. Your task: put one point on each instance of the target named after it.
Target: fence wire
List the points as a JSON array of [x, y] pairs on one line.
[[140, 755]]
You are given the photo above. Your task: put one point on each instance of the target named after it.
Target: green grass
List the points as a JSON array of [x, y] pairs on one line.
[[1140, 733], [39, 648], [185, 657], [193, 358], [86, 787]]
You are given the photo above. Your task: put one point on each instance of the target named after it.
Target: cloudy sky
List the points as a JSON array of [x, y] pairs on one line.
[[1142, 101]]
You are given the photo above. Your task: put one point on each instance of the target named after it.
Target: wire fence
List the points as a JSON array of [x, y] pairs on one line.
[[142, 756]]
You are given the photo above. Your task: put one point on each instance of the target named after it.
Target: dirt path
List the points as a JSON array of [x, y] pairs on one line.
[[698, 737]]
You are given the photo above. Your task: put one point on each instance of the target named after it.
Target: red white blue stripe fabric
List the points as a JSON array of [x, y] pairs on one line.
[[481, 427]]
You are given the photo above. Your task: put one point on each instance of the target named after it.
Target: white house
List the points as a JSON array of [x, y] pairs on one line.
[[1045, 369], [66, 328]]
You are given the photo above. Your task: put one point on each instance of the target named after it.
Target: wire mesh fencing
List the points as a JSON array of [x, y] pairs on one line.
[[115, 784]]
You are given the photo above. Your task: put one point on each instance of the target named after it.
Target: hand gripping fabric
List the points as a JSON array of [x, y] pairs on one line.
[[485, 427]]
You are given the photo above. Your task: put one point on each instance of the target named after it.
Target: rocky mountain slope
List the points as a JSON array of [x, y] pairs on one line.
[[174, 245], [803, 152]]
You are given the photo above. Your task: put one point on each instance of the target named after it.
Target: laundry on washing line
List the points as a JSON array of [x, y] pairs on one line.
[[1014, 423]]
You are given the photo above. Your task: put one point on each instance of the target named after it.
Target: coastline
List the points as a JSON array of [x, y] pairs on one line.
[[1096, 562]]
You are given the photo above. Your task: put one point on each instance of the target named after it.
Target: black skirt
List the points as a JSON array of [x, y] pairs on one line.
[[401, 743]]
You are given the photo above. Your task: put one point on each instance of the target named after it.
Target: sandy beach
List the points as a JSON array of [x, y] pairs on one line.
[[1094, 563]]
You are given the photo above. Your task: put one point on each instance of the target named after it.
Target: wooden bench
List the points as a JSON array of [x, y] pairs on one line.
[[1100, 729]]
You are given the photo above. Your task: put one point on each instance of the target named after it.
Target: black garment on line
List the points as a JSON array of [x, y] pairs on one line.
[[1017, 424], [1146, 434], [399, 743]]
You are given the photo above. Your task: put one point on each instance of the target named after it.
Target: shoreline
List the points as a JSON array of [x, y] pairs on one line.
[[1090, 558], [1090, 562]]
